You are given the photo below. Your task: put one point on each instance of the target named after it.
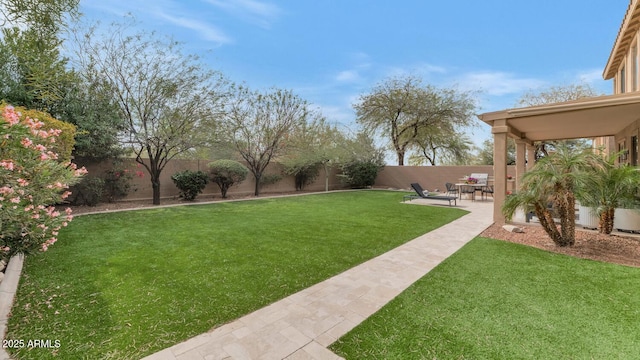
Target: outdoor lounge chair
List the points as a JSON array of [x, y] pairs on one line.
[[420, 194]]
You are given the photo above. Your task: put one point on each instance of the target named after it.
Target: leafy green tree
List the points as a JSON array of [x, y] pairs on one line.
[[485, 154], [608, 187], [169, 101], [312, 145], [554, 180], [32, 70], [401, 108], [227, 173], [259, 124], [442, 145], [555, 94]]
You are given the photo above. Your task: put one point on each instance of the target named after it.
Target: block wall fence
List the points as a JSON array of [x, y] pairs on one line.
[[390, 177]]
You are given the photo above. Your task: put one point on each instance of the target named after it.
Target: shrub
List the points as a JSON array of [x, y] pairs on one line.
[[269, 179], [33, 180], [65, 140], [360, 173], [304, 173], [117, 181], [190, 183], [227, 173], [89, 191]]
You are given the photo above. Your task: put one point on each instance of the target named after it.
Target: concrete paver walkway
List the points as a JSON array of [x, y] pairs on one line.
[[302, 325]]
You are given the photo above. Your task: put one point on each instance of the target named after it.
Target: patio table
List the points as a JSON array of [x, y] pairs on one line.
[[475, 186]]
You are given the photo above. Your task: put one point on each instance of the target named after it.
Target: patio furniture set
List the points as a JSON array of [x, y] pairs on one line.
[[471, 185]]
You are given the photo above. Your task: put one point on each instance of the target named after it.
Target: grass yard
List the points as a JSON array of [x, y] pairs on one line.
[[499, 300], [125, 285]]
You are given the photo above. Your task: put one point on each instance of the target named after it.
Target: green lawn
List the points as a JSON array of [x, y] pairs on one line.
[[498, 300], [124, 285]]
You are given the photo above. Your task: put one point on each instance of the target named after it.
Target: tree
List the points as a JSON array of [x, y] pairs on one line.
[[312, 145], [608, 187], [401, 107], [32, 70], [227, 173], [485, 155], [168, 100], [555, 94], [259, 125], [441, 144], [554, 180]]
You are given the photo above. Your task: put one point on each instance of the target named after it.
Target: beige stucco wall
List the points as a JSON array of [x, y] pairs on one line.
[[141, 186]]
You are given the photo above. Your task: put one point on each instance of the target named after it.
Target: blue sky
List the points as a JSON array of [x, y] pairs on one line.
[[332, 51]]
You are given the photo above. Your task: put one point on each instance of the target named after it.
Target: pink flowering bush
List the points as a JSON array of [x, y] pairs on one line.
[[32, 181]]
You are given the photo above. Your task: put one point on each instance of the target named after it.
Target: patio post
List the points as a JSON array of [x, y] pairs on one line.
[[520, 161], [499, 131], [531, 156]]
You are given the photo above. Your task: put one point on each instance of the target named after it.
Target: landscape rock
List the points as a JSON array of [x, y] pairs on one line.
[[513, 229]]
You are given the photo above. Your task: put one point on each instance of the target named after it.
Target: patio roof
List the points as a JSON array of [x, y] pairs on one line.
[[585, 118]]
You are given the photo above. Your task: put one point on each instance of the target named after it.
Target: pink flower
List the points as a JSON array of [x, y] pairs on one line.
[[26, 142], [23, 182], [15, 200], [44, 156], [29, 208], [6, 190], [81, 171], [7, 164], [11, 115], [41, 148], [65, 194]]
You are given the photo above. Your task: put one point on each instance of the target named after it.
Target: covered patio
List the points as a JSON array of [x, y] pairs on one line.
[[603, 116]]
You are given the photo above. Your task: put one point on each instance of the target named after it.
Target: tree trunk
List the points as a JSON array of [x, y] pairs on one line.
[[606, 220], [549, 226], [155, 185], [400, 158], [257, 188]]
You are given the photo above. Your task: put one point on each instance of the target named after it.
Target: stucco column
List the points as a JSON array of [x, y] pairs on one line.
[[499, 131], [531, 156], [520, 161]]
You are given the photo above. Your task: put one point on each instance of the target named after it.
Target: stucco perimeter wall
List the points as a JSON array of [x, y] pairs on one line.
[[141, 186], [430, 177]]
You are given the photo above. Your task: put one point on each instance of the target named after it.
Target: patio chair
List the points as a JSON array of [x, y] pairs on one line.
[[487, 190], [420, 193], [451, 188], [468, 189]]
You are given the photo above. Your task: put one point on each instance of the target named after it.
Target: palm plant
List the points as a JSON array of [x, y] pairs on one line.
[[551, 187], [609, 187]]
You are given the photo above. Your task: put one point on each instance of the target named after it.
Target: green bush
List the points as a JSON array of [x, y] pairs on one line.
[[360, 173], [190, 183], [303, 173], [226, 173], [117, 181], [89, 191]]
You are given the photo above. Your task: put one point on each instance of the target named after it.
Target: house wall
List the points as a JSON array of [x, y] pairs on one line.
[[627, 79]]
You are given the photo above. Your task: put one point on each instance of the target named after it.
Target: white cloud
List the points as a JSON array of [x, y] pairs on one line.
[[205, 30], [348, 76], [258, 12], [496, 83]]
